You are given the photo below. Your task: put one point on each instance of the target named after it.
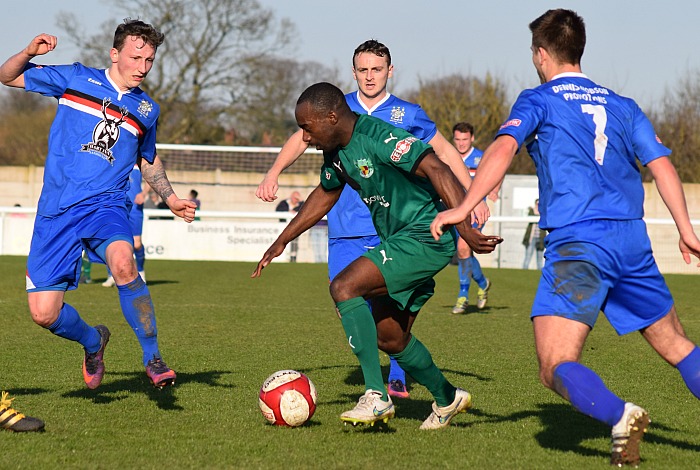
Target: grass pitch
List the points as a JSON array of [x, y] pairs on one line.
[[224, 333]]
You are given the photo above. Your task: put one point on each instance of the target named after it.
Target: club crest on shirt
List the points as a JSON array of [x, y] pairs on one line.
[[511, 123], [144, 108], [327, 175], [402, 146], [106, 133], [397, 114], [365, 167]]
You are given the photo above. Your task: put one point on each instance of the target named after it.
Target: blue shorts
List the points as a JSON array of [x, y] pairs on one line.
[[603, 265], [136, 220], [343, 251], [57, 242]]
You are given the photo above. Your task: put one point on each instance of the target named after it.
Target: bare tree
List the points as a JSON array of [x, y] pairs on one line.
[[678, 125], [266, 112], [211, 47], [482, 102], [25, 119]]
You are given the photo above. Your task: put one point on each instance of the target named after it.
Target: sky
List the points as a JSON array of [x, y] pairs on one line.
[[641, 49]]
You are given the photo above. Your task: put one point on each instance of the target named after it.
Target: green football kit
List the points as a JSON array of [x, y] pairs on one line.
[[379, 162]]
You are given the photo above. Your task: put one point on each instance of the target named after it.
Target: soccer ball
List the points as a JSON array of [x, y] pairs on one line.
[[287, 398]]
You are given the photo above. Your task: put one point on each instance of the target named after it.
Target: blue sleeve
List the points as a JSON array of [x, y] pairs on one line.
[[147, 147], [49, 80], [422, 126], [647, 145], [525, 117]]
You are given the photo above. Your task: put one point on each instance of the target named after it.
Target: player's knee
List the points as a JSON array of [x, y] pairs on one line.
[[340, 290], [547, 376], [43, 314], [123, 267], [391, 344]]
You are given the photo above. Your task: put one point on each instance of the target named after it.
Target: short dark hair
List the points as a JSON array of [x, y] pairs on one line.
[[463, 127], [194, 193], [562, 33], [323, 96], [373, 47], [138, 28]]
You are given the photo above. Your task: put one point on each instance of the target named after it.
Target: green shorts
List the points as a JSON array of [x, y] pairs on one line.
[[409, 265]]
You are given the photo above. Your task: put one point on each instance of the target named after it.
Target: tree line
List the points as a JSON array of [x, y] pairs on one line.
[[224, 76]]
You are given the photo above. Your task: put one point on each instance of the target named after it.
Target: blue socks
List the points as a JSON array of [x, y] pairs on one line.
[[464, 268], [587, 392], [477, 274], [140, 256], [69, 325], [395, 371], [137, 307], [690, 371], [468, 269]]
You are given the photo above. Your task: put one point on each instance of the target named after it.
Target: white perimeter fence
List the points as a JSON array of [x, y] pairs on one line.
[[244, 236]]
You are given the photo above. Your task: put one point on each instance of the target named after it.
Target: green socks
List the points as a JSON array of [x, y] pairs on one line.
[[416, 360], [361, 332]]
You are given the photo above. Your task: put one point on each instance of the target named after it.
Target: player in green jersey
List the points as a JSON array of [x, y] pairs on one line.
[[402, 182]]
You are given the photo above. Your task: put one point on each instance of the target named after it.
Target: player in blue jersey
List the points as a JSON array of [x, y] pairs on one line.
[[586, 142], [104, 125], [350, 228], [137, 196], [468, 267]]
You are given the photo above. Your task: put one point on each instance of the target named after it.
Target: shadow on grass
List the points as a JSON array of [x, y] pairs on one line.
[[566, 430], [470, 309], [16, 392], [151, 282], [166, 399]]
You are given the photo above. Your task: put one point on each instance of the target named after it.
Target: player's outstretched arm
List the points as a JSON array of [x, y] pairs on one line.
[[12, 71], [290, 152], [316, 206], [155, 176], [450, 156], [492, 169], [450, 191], [671, 190]]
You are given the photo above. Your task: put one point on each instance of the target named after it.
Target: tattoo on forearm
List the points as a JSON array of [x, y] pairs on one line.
[[155, 176]]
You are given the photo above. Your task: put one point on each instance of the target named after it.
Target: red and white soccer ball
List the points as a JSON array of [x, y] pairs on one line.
[[287, 398]]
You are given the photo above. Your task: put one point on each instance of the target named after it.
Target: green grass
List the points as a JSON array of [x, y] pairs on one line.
[[225, 333]]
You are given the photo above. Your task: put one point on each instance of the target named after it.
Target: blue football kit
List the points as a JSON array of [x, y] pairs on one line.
[[97, 135], [472, 160], [586, 141], [136, 212]]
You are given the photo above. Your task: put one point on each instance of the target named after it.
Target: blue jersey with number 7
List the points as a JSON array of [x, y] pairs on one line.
[[586, 142]]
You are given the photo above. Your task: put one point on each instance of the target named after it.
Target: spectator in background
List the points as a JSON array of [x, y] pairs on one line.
[[193, 197], [152, 201], [292, 204], [533, 239]]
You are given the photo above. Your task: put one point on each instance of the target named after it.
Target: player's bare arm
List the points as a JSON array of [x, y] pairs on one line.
[[450, 156], [290, 152], [316, 206], [492, 169], [448, 188], [12, 71], [155, 176], [671, 190]]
